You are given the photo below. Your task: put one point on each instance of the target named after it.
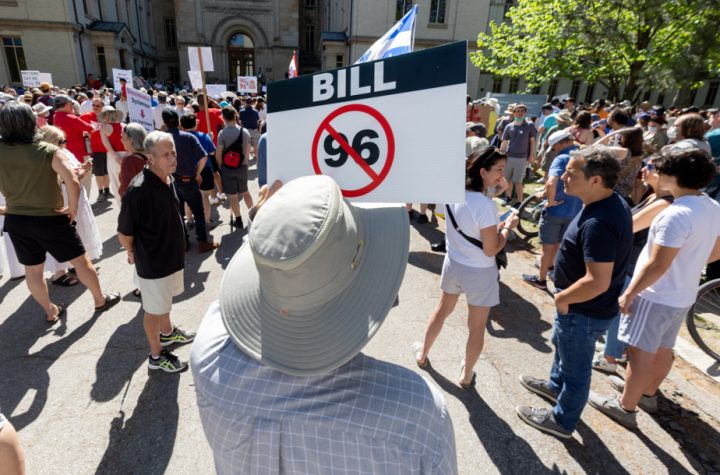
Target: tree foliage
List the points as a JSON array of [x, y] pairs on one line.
[[627, 46]]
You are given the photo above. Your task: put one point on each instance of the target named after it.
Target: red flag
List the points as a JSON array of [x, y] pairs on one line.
[[292, 69]]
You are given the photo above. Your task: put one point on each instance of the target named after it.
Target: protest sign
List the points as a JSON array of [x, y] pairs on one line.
[[200, 58], [247, 85], [363, 126], [140, 108], [45, 77], [126, 74], [30, 78], [216, 90], [534, 102], [195, 79]]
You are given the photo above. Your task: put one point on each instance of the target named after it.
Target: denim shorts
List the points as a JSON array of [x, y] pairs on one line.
[[552, 228]]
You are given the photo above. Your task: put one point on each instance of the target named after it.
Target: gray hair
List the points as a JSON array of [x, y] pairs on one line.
[[154, 138], [136, 134], [18, 124], [600, 161]]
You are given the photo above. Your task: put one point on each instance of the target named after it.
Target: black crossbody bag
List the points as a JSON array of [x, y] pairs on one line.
[[500, 258]]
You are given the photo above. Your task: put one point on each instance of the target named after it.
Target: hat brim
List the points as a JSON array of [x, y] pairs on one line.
[[316, 340]]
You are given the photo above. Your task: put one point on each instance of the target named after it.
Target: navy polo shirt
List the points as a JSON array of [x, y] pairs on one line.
[[601, 232], [189, 152], [249, 118]]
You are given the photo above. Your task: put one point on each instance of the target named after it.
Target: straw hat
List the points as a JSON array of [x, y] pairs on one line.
[[316, 278], [564, 117], [110, 115], [40, 108]]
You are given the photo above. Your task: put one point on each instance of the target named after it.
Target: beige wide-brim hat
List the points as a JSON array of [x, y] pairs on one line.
[[110, 115], [315, 279]]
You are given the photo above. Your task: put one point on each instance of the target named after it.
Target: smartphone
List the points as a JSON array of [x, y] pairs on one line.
[[506, 215]]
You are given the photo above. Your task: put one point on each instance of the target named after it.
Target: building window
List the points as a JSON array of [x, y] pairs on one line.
[[497, 84], [170, 33], [514, 85], [122, 59], [102, 63], [437, 11], [575, 88], [100, 12], [310, 37], [15, 57], [339, 61], [507, 6], [693, 96], [712, 93], [589, 93], [174, 72], [402, 8], [310, 4], [552, 89], [661, 98], [535, 90]]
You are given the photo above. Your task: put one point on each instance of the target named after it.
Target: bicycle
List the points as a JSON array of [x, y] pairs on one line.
[[703, 319], [529, 213]]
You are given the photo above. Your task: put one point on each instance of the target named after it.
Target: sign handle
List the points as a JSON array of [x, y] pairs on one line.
[[204, 89]]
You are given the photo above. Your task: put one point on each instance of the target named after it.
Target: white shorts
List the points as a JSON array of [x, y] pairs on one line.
[[157, 294], [254, 136], [479, 284], [651, 325]]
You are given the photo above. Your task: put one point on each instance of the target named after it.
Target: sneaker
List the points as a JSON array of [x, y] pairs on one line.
[[438, 247], [601, 364], [506, 200], [222, 196], [237, 222], [535, 281], [213, 201], [422, 219], [166, 362], [600, 346], [537, 265], [176, 337], [542, 419], [207, 246], [212, 224], [648, 404], [539, 387], [612, 408], [190, 223]]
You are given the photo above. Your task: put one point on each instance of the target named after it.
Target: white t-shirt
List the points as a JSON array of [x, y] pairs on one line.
[[691, 223], [476, 213], [157, 115]]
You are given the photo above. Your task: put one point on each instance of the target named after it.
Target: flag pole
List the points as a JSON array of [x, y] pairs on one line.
[[204, 89]]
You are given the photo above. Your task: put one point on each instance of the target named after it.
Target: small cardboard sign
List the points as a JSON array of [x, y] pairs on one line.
[[118, 74], [216, 90], [195, 79], [140, 108], [247, 85], [30, 78], [194, 54]]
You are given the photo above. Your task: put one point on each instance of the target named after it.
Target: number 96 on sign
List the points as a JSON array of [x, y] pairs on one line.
[[344, 141]]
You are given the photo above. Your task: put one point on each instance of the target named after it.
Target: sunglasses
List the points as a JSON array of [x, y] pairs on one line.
[[650, 167], [63, 142]]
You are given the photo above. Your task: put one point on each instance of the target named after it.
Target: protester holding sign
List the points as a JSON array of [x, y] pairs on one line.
[[473, 241]]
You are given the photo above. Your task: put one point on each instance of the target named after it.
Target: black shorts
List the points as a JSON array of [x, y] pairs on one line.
[[215, 164], [234, 181], [208, 179], [34, 236], [100, 163]]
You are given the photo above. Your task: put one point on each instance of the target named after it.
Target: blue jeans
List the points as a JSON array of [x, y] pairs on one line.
[[613, 346], [574, 337], [190, 193]]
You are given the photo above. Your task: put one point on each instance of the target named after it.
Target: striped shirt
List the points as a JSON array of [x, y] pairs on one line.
[[366, 417]]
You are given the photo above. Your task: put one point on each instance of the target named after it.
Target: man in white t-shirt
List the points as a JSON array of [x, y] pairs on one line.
[[683, 238], [158, 110]]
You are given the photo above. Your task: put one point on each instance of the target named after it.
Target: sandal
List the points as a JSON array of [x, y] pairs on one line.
[[136, 293], [417, 348], [110, 301], [62, 308], [461, 383], [66, 280]]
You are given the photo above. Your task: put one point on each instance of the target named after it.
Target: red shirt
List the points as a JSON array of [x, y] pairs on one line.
[[73, 126], [96, 142], [216, 121], [130, 167]]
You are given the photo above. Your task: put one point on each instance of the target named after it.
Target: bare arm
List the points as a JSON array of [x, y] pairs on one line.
[[532, 149], [108, 146], [643, 219], [597, 279], [550, 191], [61, 166], [504, 145], [659, 262], [715, 254], [128, 242], [246, 147]]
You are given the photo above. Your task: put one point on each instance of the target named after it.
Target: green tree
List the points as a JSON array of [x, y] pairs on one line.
[[626, 46]]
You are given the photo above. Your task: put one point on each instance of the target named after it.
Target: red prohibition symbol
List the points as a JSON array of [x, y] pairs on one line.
[[347, 150]]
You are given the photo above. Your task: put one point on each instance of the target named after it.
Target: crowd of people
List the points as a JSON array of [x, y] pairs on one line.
[[629, 224]]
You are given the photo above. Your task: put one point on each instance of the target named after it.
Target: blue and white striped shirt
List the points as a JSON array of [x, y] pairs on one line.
[[366, 417]]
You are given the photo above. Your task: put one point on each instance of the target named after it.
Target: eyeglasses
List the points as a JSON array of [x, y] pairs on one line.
[[649, 167], [63, 142]]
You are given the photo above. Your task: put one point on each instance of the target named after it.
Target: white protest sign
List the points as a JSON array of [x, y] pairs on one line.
[[216, 90], [195, 79], [366, 127], [207, 60], [30, 78], [247, 84], [118, 74], [140, 108], [45, 77]]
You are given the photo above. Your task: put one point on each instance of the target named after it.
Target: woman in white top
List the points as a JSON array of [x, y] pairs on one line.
[[468, 268]]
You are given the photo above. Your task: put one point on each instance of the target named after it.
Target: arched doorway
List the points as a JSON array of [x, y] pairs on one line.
[[241, 56]]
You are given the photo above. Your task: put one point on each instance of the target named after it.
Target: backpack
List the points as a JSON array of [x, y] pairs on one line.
[[233, 156]]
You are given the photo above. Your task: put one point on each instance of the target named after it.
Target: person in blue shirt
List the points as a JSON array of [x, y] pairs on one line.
[[559, 210], [249, 119], [262, 155], [188, 123]]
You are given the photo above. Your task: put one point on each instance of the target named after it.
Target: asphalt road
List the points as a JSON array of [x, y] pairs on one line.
[[84, 402]]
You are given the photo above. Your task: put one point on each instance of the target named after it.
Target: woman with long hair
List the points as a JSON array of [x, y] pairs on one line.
[[582, 128], [469, 265]]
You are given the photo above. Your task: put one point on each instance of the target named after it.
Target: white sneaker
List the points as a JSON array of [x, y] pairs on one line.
[[599, 346], [601, 364], [221, 196], [213, 200]]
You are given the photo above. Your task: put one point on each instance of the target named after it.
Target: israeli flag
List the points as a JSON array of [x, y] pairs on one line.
[[400, 39]]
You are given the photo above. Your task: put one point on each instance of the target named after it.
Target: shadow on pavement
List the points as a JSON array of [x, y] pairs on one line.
[[429, 261], [125, 352], [518, 319], [496, 436], [429, 231], [23, 372], [230, 242], [592, 454], [144, 443], [9, 286]]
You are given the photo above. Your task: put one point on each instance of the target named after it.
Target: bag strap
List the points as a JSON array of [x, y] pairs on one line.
[[239, 139], [471, 240]]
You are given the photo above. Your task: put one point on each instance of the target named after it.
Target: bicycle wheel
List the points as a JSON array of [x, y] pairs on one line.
[[529, 213], [703, 319]]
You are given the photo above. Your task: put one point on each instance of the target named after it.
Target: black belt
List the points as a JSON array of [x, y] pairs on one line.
[[185, 179]]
